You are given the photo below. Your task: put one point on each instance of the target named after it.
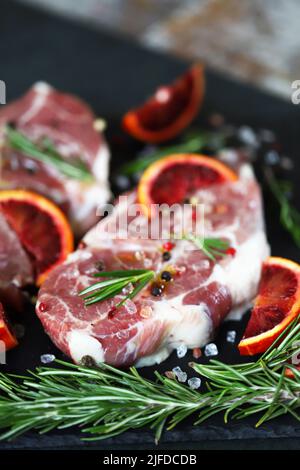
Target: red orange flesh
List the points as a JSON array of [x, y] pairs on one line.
[[173, 178], [276, 306], [170, 110], [41, 227]]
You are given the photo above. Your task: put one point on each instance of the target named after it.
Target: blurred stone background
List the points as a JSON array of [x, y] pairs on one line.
[[254, 40]]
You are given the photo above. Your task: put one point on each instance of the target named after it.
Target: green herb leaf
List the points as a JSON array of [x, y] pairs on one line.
[[212, 247], [47, 154], [289, 215], [118, 281], [191, 145], [122, 273]]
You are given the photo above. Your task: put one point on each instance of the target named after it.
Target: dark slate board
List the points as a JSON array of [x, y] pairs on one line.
[[113, 74]]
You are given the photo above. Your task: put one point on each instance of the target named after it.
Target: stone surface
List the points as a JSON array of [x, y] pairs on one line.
[[251, 40]]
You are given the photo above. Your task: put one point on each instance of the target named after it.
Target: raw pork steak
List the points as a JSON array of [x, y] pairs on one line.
[[68, 122], [146, 329], [15, 266]]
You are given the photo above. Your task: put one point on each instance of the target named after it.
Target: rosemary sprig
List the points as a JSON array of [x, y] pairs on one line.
[[47, 154], [211, 247], [289, 215], [192, 144], [117, 282], [258, 387], [106, 401]]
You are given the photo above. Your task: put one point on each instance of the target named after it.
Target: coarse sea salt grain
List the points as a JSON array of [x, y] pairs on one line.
[[181, 376], [194, 383], [211, 350], [266, 135], [228, 155], [231, 336], [272, 157], [248, 136], [128, 289], [130, 306], [181, 351], [47, 358], [286, 163], [122, 182]]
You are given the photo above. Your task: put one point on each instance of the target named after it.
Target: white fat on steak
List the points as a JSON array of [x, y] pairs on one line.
[[189, 325], [82, 344], [242, 274]]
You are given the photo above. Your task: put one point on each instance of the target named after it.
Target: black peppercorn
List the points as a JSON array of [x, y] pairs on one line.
[[156, 291], [99, 265], [166, 255], [87, 361], [31, 170], [166, 276]]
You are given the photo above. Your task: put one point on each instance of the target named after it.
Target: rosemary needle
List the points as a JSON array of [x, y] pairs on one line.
[[211, 247], [116, 284], [47, 154], [191, 145], [289, 215]]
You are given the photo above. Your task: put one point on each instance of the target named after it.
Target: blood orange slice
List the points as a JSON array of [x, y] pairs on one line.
[[277, 304], [6, 334], [172, 179], [41, 227], [170, 110]]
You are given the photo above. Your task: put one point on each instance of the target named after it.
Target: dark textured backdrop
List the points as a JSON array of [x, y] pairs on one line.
[[254, 40]]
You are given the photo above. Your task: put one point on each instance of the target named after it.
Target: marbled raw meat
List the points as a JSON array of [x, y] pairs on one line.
[[146, 329], [68, 123], [15, 266]]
